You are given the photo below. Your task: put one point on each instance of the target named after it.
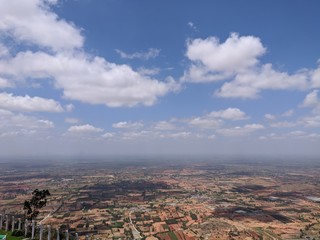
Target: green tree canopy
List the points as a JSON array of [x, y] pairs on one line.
[[38, 200]]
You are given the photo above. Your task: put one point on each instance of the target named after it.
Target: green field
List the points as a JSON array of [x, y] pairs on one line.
[[172, 236], [9, 237]]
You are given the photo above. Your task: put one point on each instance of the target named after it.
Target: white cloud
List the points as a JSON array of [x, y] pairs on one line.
[[133, 135], [249, 84], [315, 78], [163, 126], [45, 123], [311, 100], [233, 90], [237, 62], [212, 60], [4, 83], [28, 104], [60, 56], [200, 74], [148, 71], [192, 26], [270, 116], [240, 131], [90, 80], [288, 113], [229, 113], [205, 122], [311, 121], [4, 51], [314, 136], [107, 135], [127, 125], [176, 135], [72, 120], [84, 129], [272, 136], [262, 138], [284, 124], [297, 133], [69, 107], [151, 53], [32, 21], [214, 120], [12, 124], [212, 137]]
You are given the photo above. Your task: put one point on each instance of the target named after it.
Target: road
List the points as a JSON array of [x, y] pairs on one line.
[[135, 232], [51, 213]]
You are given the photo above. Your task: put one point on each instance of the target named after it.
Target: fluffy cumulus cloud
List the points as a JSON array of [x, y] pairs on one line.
[[87, 128], [88, 79], [212, 60], [33, 22], [237, 61], [28, 104], [82, 77], [250, 83], [312, 100]]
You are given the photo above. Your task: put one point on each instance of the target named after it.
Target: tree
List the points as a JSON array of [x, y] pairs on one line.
[[38, 200]]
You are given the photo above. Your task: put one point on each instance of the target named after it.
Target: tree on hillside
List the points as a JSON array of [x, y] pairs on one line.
[[38, 200]]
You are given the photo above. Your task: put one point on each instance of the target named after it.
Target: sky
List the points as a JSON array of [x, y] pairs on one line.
[[127, 77]]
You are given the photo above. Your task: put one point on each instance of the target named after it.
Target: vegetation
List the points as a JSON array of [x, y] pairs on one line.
[[17, 233], [173, 236], [171, 221], [38, 201], [9, 235], [118, 225], [193, 216]]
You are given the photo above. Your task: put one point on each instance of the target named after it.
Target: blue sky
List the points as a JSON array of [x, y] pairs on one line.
[[166, 77]]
